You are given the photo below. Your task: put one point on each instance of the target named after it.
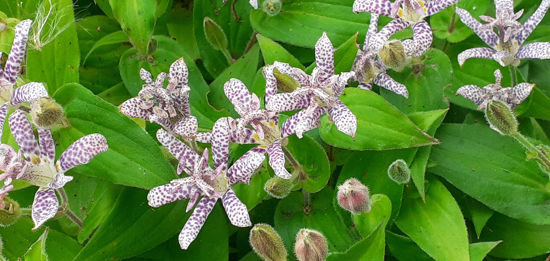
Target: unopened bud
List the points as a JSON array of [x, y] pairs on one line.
[[215, 34], [285, 82], [267, 243], [353, 196], [278, 187], [392, 55], [501, 118], [272, 7], [399, 172], [310, 245], [10, 212], [46, 113]]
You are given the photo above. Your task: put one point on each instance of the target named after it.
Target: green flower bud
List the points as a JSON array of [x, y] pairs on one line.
[[47, 113], [278, 187], [267, 243], [392, 55], [501, 118], [272, 7], [215, 34], [353, 196], [285, 82], [399, 172], [10, 212], [310, 245]]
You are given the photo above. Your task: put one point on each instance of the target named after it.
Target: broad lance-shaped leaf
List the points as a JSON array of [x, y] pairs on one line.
[[133, 158], [380, 126], [315, 163], [437, 225], [137, 19], [112, 38], [272, 51], [474, 158]]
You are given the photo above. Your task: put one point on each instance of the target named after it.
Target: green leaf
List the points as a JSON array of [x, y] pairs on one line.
[[18, 238], [315, 164], [57, 62], [302, 23], [370, 248], [273, 51], [37, 252], [137, 19], [291, 216], [133, 158], [379, 214], [479, 214], [180, 28], [437, 225], [380, 126], [478, 251], [112, 38], [447, 25], [474, 158], [404, 249], [253, 193], [519, 239], [344, 56]]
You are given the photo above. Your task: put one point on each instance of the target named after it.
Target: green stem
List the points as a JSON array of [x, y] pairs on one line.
[[26, 211], [227, 56], [539, 155], [513, 74], [292, 160], [65, 207]]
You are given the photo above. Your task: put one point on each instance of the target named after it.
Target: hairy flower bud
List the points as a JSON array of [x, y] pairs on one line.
[[9, 213], [392, 55], [399, 172], [278, 187], [47, 113], [285, 82], [272, 7], [214, 34], [310, 245], [501, 118], [353, 196], [267, 243]]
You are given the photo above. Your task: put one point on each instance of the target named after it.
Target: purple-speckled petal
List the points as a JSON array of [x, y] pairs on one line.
[[221, 134], [488, 36], [243, 101], [324, 58], [302, 121], [482, 52], [186, 127], [47, 145], [186, 156], [146, 76], [243, 168], [3, 114], [235, 209], [422, 39], [373, 27], [203, 137], [178, 189], [254, 3], [277, 160], [531, 23], [288, 101], [298, 74], [196, 221], [473, 93], [270, 82], [504, 6], [378, 40], [21, 130], [519, 93], [385, 81], [381, 7], [44, 207], [28, 93], [179, 74], [435, 6], [13, 64], [82, 151], [539, 50], [132, 108], [60, 181], [344, 119]]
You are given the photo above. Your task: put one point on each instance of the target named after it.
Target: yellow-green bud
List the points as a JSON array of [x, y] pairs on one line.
[[393, 55], [214, 34], [501, 118], [310, 245], [10, 212], [285, 82], [399, 172], [267, 243], [278, 187], [46, 113], [272, 7]]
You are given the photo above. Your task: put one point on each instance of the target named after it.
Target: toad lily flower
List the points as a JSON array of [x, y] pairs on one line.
[[369, 70], [13, 167], [168, 106], [317, 94], [41, 169], [512, 96], [507, 47], [407, 13], [203, 181]]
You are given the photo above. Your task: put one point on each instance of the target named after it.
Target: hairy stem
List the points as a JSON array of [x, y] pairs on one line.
[[513, 75], [537, 153], [65, 207]]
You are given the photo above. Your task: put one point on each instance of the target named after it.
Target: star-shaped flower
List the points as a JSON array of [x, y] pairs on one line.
[[511, 96], [407, 13], [211, 184], [13, 167], [368, 69], [507, 47], [41, 168], [168, 106], [317, 94]]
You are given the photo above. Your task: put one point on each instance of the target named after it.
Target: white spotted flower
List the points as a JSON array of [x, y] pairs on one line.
[[39, 165], [203, 181], [507, 47]]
